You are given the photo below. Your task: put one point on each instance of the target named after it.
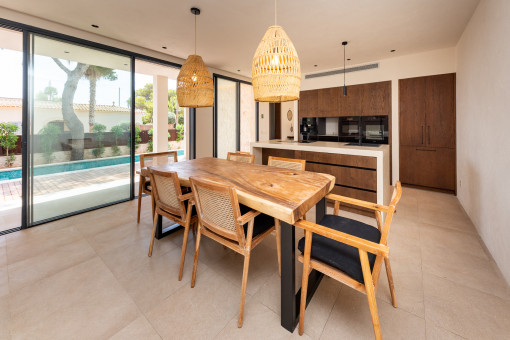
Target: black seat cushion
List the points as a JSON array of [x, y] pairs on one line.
[[340, 255], [261, 224]]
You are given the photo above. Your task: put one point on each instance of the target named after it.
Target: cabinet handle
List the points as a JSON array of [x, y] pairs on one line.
[[422, 133], [429, 133], [431, 150]]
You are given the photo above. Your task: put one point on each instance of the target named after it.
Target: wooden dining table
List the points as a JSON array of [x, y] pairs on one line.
[[281, 193]]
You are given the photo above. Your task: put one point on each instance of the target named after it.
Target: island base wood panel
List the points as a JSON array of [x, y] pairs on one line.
[[355, 176], [428, 167]]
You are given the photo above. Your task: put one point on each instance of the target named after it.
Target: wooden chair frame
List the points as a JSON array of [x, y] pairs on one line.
[[380, 249], [181, 215], [233, 240], [300, 164], [141, 184], [248, 156]]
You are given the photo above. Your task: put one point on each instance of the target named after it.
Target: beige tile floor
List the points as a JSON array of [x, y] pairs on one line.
[[89, 277]]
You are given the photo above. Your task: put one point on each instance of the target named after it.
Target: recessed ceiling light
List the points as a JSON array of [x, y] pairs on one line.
[[95, 26], [125, 64], [392, 51], [164, 47], [66, 51], [349, 59], [238, 70], [314, 65]]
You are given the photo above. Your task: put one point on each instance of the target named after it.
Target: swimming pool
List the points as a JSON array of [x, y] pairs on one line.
[[49, 169]]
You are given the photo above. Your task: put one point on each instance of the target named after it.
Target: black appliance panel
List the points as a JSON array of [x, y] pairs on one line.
[[349, 129], [375, 129]]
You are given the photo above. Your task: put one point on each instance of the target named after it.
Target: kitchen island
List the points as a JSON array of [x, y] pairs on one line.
[[361, 172]]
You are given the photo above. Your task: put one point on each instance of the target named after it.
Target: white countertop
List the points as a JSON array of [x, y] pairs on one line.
[[328, 147]]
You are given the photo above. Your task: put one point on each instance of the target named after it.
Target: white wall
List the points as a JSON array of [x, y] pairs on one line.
[[483, 125], [263, 121], [398, 67]]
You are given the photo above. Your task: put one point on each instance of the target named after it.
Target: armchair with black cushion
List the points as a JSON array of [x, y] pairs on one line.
[[349, 251]]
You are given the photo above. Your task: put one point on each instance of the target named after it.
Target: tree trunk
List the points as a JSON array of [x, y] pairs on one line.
[[72, 121], [92, 102]]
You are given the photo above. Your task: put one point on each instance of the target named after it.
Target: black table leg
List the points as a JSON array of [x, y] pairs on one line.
[[162, 232], [290, 299]]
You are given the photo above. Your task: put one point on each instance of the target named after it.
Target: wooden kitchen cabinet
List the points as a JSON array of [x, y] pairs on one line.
[[428, 167], [308, 103], [376, 99], [327, 100], [440, 111], [350, 105], [412, 121], [427, 131]]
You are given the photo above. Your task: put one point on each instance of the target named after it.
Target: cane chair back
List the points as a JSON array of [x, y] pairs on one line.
[[167, 190], [287, 163], [218, 208], [157, 158], [241, 157]]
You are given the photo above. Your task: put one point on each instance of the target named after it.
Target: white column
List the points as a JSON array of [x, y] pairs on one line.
[[160, 114]]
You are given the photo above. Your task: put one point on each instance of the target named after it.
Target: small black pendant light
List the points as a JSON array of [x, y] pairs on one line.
[[344, 43]]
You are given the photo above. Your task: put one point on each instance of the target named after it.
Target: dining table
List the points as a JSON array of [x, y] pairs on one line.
[[284, 194]]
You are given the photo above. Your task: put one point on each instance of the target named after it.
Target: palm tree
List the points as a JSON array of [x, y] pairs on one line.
[[93, 75]]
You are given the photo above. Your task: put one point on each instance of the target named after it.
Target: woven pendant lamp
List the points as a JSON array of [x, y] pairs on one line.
[[276, 71], [194, 82]]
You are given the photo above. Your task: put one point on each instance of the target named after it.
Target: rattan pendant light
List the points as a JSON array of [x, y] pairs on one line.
[[276, 71], [194, 82]]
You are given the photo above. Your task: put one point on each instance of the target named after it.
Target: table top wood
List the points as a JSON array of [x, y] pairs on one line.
[[282, 193]]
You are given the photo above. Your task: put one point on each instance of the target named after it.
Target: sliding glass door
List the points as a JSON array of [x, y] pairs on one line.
[[79, 128], [235, 118]]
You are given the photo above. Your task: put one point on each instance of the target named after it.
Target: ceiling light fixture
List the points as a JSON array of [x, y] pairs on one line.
[[276, 71], [95, 26], [194, 82], [344, 43], [392, 51]]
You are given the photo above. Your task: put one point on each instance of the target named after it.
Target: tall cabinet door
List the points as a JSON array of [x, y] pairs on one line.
[[412, 117], [440, 109]]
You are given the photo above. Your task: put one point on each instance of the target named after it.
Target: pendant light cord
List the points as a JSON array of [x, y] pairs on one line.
[[275, 12], [344, 65], [195, 34]]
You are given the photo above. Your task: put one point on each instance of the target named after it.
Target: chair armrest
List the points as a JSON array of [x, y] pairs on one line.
[[354, 241], [359, 203], [250, 215], [186, 196]]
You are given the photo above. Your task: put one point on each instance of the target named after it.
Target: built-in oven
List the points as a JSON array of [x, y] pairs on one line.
[[349, 129], [374, 129]]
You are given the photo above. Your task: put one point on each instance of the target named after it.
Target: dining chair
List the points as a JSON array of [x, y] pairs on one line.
[[222, 219], [144, 184], [291, 164], [240, 156], [349, 251], [171, 203]]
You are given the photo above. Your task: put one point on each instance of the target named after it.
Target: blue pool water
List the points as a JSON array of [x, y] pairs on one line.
[[65, 167]]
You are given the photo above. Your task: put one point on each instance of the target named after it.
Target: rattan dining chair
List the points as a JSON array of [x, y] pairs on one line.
[[172, 204], [222, 219], [291, 164], [240, 156], [144, 184], [349, 251]]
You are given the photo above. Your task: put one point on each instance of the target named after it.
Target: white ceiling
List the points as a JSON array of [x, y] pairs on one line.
[[230, 30]]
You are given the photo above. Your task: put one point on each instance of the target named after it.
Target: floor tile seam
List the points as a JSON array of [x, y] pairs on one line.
[[463, 286], [42, 251], [442, 328], [249, 298], [51, 275], [461, 283], [126, 293], [330, 313]]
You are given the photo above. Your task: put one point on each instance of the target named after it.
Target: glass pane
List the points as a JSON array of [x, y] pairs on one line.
[[172, 124], [227, 116], [248, 117], [79, 122], [11, 86]]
